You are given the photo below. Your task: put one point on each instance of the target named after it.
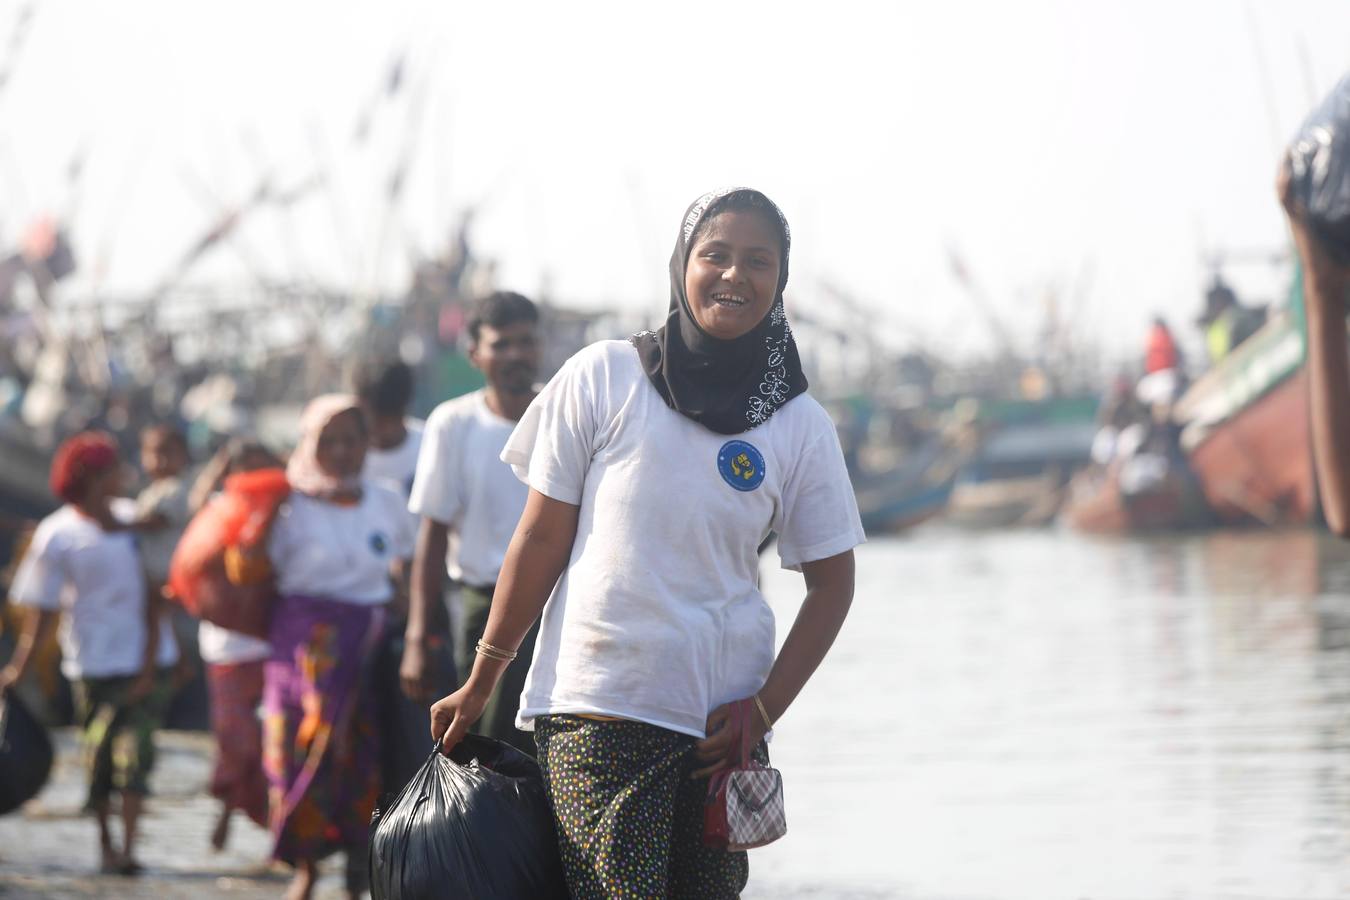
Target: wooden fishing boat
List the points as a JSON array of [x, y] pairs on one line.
[[1246, 427], [912, 493], [1018, 472], [1096, 504]]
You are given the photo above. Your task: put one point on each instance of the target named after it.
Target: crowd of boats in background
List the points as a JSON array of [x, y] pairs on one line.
[[1238, 453], [1010, 446]]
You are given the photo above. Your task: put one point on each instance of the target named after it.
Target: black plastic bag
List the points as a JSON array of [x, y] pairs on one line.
[[25, 754], [1319, 162], [475, 825]]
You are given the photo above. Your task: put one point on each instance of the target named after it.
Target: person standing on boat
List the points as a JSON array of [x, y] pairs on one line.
[[1161, 353], [1326, 295], [656, 467], [83, 567], [470, 501], [333, 548]]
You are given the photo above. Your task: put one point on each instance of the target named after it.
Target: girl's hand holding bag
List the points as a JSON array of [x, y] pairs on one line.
[[744, 808]]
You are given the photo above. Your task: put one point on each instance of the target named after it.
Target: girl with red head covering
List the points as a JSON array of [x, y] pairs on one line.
[[84, 563]]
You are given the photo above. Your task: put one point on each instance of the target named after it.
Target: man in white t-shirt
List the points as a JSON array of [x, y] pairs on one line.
[[470, 501]]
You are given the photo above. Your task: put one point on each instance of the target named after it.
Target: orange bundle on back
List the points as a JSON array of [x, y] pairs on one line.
[[237, 517]]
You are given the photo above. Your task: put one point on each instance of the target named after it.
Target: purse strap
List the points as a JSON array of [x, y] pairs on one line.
[[741, 713]]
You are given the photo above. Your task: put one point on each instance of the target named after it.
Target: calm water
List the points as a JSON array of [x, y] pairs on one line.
[[1041, 715], [1010, 715]]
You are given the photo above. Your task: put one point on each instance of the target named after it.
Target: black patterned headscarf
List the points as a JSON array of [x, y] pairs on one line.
[[728, 386]]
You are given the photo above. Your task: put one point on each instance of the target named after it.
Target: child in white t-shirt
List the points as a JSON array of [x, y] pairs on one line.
[[83, 567]]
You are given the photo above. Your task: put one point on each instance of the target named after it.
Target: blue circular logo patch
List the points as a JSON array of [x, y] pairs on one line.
[[740, 465], [378, 543]]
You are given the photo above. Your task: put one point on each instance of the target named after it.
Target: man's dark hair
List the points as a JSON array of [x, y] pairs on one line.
[[499, 309], [386, 386]]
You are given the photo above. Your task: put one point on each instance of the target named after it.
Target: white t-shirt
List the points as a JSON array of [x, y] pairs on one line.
[[462, 483], [221, 645], [96, 579], [396, 467], [322, 549], [658, 616]]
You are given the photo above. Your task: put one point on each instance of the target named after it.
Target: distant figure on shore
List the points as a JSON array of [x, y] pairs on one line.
[[334, 549], [83, 567], [234, 672], [470, 502], [1326, 293], [656, 467]]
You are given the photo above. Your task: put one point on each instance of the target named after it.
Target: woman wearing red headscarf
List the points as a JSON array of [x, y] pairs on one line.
[[83, 563]]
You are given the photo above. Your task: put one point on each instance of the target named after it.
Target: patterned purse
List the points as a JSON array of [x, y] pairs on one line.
[[745, 807]]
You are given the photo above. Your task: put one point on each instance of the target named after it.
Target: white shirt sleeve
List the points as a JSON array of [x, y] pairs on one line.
[[819, 510], [42, 573], [436, 490], [551, 447]]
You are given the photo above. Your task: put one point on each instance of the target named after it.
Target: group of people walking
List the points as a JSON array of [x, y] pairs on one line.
[[602, 537]]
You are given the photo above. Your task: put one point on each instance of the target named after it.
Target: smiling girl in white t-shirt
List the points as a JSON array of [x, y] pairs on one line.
[[657, 467]]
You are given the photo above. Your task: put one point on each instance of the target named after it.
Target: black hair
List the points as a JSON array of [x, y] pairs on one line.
[[169, 434], [499, 309], [386, 386]]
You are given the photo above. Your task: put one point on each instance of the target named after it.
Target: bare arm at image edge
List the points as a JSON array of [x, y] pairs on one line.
[[535, 559], [1325, 286]]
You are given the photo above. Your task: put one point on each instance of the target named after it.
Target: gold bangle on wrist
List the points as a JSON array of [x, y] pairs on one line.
[[763, 713], [492, 652]]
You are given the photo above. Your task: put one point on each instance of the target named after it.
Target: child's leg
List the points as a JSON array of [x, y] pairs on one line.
[[98, 718], [132, 804], [134, 758], [109, 858], [302, 885]]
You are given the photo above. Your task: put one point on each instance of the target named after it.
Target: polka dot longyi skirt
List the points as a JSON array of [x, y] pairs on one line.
[[629, 817]]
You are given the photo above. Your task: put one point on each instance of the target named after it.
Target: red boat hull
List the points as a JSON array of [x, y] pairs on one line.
[[1257, 466]]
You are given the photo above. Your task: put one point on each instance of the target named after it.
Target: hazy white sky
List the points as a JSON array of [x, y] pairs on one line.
[[1097, 147]]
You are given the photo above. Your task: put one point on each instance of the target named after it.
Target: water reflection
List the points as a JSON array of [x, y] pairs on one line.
[[1041, 715]]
